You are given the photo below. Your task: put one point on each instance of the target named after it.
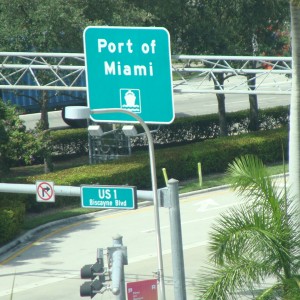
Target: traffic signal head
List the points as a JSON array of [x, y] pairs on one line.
[[91, 271], [90, 288]]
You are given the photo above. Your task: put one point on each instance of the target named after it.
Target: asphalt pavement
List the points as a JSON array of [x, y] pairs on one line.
[[18, 254], [45, 263]]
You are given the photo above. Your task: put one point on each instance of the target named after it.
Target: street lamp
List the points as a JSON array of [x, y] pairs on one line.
[[160, 271], [129, 130], [95, 130]]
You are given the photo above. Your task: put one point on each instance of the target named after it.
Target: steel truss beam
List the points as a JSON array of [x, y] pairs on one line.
[[191, 73]]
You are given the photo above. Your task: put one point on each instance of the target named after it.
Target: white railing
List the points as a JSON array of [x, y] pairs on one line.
[[191, 73]]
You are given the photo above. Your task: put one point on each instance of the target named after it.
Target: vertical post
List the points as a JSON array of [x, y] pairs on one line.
[[165, 175], [154, 190], [200, 174], [176, 242], [118, 261], [161, 276], [90, 149]]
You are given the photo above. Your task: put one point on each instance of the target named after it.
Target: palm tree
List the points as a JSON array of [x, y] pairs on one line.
[[256, 241]]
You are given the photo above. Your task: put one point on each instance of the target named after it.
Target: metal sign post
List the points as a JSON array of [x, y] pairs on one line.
[[160, 272]]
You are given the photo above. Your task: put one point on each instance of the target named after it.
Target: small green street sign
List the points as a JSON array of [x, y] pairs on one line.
[[129, 68], [119, 197]]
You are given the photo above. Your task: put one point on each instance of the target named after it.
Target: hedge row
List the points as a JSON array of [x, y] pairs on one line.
[[69, 141], [180, 162], [181, 131]]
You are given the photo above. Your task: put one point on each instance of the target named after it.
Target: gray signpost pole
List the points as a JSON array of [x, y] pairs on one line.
[[154, 189], [176, 241], [118, 277]]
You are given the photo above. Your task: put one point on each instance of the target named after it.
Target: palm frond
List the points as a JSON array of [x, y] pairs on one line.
[[224, 283], [243, 230], [250, 179], [255, 240], [271, 292]]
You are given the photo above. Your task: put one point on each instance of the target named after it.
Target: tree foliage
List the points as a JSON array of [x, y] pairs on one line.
[[16, 144], [117, 13], [196, 27], [41, 26]]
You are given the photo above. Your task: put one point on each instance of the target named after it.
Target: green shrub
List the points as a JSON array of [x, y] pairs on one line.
[[180, 162], [11, 220], [182, 131], [69, 141]]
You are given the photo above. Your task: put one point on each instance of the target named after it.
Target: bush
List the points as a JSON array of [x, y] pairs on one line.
[[69, 141], [11, 219], [180, 162], [182, 131]]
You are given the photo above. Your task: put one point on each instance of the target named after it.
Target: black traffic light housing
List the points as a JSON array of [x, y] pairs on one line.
[[91, 288], [91, 271]]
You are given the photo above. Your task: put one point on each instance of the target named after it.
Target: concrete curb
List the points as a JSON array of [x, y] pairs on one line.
[[199, 192], [29, 235]]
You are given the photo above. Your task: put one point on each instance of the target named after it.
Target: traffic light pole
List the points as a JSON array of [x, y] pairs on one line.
[[119, 259], [176, 241], [160, 272]]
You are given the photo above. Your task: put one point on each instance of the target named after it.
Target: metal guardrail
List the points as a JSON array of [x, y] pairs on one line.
[[59, 190], [191, 73]]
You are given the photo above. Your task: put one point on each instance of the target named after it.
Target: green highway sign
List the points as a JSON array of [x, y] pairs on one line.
[[129, 68], [120, 197]]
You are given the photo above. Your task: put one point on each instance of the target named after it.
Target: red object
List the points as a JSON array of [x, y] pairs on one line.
[[142, 290]]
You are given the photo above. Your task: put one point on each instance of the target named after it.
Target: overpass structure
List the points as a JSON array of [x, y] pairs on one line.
[[191, 73]]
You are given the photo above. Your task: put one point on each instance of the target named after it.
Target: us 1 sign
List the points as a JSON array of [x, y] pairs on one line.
[[129, 68], [120, 197]]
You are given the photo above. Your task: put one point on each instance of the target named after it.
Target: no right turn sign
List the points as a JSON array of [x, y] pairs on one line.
[[45, 191]]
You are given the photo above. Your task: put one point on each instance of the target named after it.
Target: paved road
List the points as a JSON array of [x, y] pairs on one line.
[[187, 104], [48, 268]]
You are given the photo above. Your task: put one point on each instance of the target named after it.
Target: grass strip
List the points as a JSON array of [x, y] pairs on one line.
[[34, 220]]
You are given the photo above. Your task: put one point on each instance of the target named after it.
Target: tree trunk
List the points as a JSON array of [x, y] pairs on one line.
[[221, 104], [44, 127], [222, 115], [48, 163], [44, 111], [294, 137], [253, 115]]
